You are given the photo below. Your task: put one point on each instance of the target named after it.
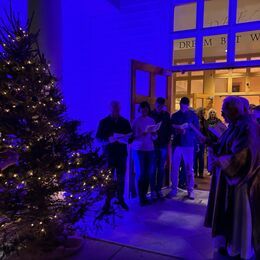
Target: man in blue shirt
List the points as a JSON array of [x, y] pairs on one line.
[[183, 123]]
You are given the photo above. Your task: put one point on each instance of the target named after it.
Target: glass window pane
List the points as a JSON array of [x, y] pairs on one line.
[[184, 51], [221, 85], [215, 13], [239, 84], [215, 48], [217, 72], [197, 86], [197, 73], [242, 70], [142, 83], [254, 85], [248, 43], [160, 86], [248, 11], [185, 17], [181, 86], [199, 102], [257, 69]]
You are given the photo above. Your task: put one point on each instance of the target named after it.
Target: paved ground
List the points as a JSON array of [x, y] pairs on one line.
[[100, 250], [167, 228]]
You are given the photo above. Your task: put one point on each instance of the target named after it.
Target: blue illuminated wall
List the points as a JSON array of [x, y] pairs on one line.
[[20, 8], [99, 41], [90, 45]]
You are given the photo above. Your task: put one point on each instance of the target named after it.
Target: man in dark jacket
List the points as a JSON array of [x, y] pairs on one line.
[[115, 149], [161, 143]]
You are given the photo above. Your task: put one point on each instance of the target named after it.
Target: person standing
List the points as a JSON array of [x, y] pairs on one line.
[[115, 150], [183, 122], [143, 153], [233, 213], [212, 121], [161, 143], [199, 150]]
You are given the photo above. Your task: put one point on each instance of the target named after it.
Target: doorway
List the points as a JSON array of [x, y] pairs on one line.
[[206, 89]]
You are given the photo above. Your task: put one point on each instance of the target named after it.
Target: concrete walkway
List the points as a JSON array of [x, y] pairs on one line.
[[101, 250], [169, 228]]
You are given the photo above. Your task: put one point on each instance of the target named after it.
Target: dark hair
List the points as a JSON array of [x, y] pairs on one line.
[[160, 100], [185, 101], [144, 104]]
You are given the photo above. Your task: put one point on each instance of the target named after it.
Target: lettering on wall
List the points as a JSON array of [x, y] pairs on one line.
[[215, 41]]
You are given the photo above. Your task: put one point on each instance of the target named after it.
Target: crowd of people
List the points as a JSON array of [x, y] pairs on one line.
[[233, 161]]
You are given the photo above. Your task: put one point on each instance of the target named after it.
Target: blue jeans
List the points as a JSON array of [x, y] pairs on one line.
[[160, 160], [144, 169]]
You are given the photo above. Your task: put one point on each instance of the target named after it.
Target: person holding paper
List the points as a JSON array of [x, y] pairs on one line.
[[162, 142], [233, 211], [113, 131], [183, 122], [143, 152]]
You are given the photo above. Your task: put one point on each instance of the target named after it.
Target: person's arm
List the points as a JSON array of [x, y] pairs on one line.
[[180, 127]]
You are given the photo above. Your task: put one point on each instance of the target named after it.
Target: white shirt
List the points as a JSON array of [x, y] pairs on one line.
[[142, 142]]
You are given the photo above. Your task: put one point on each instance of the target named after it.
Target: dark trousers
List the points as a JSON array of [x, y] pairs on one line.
[[199, 160], [117, 164], [160, 160], [144, 169]]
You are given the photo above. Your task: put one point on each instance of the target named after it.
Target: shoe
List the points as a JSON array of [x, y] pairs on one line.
[[172, 194], [191, 195], [123, 205], [153, 195]]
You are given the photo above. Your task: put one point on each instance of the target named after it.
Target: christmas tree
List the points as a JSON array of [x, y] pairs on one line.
[[50, 174]]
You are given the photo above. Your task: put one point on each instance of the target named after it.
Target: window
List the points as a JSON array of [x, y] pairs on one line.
[[203, 28]]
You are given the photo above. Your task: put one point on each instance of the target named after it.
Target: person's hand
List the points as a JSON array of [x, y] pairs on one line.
[[214, 162], [185, 126]]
